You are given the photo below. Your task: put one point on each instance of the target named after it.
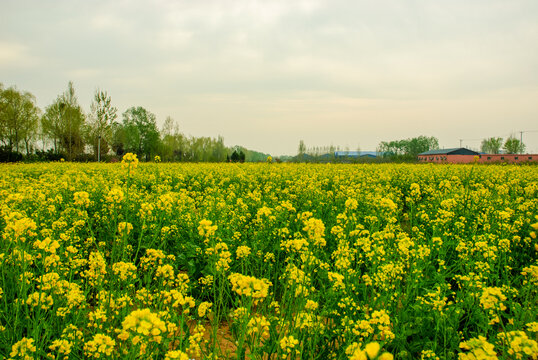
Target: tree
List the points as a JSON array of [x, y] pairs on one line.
[[51, 124], [171, 141], [491, 145], [301, 151], [235, 156], [19, 117], [514, 146], [102, 115], [63, 122], [117, 138], [409, 148], [140, 132]]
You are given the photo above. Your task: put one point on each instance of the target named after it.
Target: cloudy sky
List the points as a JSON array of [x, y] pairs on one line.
[[266, 74]]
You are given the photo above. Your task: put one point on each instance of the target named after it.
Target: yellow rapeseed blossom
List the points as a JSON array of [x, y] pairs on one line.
[[41, 300], [428, 355], [316, 231], [81, 198], [101, 345], [124, 228], [206, 228], [242, 252], [23, 349], [105, 263], [176, 354], [97, 268], [124, 270], [115, 196], [478, 349], [289, 345], [492, 300], [203, 308], [519, 345], [130, 161], [62, 346], [249, 286], [142, 323], [258, 326]]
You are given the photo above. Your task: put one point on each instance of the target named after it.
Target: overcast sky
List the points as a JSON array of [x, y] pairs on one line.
[[266, 74]]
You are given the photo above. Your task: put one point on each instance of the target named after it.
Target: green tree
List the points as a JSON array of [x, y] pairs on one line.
[[117, 138], [301, 151], [235, 156], [19, 118], [491, 145], [51, 124], [63, 123], [408, 149], [514, 146], [102, 115], [140, 132], [170, 141]]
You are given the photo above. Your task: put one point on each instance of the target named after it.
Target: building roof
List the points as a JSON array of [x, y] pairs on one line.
[[451, 151]]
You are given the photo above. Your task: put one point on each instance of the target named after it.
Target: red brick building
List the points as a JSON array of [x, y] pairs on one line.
[[466, 156]]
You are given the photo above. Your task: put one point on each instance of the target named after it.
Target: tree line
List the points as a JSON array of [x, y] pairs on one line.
[[64, 130], [396, 150], [404, 150]]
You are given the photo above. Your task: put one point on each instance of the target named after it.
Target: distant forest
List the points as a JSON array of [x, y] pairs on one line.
[[64, 130]]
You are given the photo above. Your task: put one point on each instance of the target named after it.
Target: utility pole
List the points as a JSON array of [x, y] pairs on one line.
[[521, 142], [461, 141], [99, 149]]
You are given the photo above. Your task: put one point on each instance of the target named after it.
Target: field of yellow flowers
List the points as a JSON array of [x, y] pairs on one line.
[[268, 261]]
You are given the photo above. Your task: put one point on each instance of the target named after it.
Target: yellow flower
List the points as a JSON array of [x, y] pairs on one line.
[[311, 305], [203, 308], [97, 269], [99, 346], [258, 326], [372, 349], [81, 198], [519, 344], [206, 228], [479, 348], [124, 228], [242, 252], [176, 354], [250, 286], [386, 356], [124, 270], [114, 196], [428, 355], [144, 323], [316, 230], [288, 344], [62, 346], [129, 161], [24, 349], [40, 299]]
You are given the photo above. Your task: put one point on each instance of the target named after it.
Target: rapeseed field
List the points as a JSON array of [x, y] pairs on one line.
[[268, 261]]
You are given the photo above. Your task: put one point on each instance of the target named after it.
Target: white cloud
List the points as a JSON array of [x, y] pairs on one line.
[[83, 73], [15, 55]]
